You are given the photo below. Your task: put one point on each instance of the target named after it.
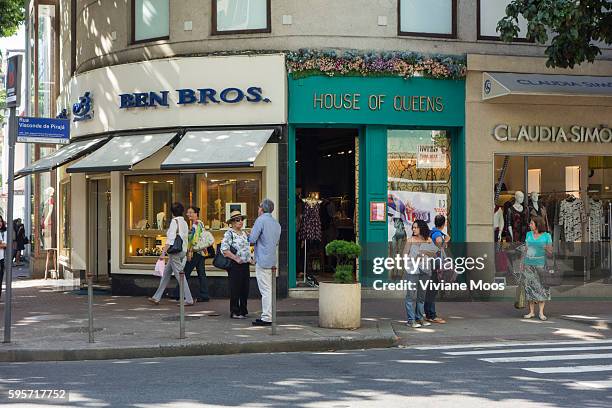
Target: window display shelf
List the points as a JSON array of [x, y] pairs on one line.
[[148, 233]]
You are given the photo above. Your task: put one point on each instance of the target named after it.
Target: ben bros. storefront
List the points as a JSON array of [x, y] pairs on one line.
[[204, 131], [367, 156], [540, 144]]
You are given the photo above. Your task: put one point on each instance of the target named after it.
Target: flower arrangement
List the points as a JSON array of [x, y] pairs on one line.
[[307, 62]]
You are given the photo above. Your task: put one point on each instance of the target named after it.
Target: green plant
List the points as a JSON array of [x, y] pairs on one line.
[[345, 253]]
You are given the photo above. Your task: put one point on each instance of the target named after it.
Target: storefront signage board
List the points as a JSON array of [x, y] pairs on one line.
[[391, 101], [552, 134], [43, 130], [13, 81], [183, 92]]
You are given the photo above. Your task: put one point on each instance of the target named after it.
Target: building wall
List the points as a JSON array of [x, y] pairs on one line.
[[103, 31], [482, 117]]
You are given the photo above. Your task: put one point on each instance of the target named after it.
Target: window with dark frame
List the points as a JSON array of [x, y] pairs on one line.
[[150, 20], [489, 13], [427, 18], [241, 16]]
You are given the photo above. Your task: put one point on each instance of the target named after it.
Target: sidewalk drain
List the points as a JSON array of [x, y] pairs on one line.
[[176, 318], [81, 329]]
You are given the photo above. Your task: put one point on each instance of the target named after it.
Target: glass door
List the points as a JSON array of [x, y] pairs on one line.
[[99, 214]]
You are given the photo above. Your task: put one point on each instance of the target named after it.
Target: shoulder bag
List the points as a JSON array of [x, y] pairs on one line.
[[177, 246], [221, 261]]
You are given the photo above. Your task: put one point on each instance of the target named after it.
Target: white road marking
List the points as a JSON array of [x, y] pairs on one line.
[[503, 344], [525, 350], [547, 358], [569, 369]]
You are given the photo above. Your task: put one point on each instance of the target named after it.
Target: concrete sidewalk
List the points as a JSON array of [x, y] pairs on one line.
[[50, 323]]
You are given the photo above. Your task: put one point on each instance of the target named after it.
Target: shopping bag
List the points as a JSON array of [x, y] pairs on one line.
[[520, 297], [160, 265]]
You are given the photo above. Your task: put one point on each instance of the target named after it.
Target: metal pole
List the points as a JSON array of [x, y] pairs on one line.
[[90, 305], [8, 251], [182, 304], [273, 276]]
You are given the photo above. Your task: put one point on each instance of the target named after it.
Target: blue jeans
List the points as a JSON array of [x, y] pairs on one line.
[[430, 300], [418, 296]]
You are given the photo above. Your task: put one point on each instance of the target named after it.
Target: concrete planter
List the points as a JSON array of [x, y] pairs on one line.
[[340, 305]]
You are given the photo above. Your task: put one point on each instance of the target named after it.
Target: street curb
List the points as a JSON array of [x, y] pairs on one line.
[[593, 321], [385, 340]]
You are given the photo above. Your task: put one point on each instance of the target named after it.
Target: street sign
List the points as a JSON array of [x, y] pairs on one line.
[[13, 81], [43, 130]]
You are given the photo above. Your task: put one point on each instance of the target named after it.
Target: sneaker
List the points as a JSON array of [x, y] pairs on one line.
[[438, 320], [415, 325], [423, 322]]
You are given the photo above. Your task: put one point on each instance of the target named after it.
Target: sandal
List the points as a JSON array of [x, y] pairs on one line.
[[438, 320], [529, 316], [153, 301], [543, 318]]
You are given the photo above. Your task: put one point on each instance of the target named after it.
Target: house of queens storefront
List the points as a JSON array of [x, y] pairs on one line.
[[368, 156], [540, 143], [204, 131]]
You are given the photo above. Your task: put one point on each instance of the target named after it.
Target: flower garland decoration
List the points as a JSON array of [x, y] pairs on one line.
[[308, 62]]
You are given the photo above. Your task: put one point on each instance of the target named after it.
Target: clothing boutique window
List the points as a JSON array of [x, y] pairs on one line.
[[240, 16], [418, 181], [434, 18], [490, 12], [150, 20], [65, 243], [150, 197], [572, 194]]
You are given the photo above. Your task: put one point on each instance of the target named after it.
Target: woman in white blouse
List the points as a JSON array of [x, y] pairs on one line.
[[176, 262]]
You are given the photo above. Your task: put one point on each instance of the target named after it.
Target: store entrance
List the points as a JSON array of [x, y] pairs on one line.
[[325, 198], [99, 221]]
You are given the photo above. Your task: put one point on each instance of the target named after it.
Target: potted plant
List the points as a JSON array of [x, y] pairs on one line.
[[340, 301]]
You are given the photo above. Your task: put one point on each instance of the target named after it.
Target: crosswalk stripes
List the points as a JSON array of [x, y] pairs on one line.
[[562, 357]]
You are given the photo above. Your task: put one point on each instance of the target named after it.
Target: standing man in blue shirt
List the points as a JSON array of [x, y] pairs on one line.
[[440, 239], [265, 236]]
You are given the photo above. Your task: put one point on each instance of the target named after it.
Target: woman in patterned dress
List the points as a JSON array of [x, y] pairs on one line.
[[539, 244]]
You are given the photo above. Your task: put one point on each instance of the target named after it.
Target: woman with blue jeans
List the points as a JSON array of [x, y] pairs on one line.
[[418, 247]]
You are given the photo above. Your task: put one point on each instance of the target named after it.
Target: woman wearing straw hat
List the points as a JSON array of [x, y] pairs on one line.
[[235, 246]]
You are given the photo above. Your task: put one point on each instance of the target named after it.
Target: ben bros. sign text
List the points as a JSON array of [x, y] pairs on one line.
[[552, 134]]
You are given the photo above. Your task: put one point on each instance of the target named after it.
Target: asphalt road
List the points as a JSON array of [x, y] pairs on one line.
[[544, 374]]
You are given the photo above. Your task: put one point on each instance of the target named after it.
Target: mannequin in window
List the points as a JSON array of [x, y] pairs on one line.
[[536, 209], [498, 222], [516, 219], [47, 226], [310, 225]]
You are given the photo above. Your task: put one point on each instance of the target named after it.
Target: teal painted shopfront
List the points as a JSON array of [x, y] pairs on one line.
[[373, 154]]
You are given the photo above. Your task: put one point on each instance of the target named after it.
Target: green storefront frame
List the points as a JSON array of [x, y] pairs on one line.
[[372, 106]]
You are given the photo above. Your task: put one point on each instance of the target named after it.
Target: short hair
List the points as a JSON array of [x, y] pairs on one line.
[[267, 205], [439, 221], [177, 209], [539, 223], [195, 209]]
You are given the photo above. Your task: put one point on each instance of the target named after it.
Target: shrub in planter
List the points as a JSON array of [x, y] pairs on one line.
[[345, 253]]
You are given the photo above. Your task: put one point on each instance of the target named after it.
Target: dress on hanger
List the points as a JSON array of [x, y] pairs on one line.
[[571, 217], [310, 225], [595, 220]]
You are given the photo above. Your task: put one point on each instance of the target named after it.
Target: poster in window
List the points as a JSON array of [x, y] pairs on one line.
[[430, 157], [378, 211], [404, 207]]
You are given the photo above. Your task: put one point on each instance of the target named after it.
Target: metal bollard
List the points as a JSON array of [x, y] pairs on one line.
[[90, 306], [182, 304], [273, 275]]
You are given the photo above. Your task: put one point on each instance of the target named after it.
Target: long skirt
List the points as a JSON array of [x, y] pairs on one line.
[[534, 290]]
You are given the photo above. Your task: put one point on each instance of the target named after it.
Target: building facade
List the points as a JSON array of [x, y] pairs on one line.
[[351, 145]]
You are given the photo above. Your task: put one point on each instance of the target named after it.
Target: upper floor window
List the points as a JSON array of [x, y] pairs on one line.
[[240, 16], [150, 20], [490, 12], [428, 18]]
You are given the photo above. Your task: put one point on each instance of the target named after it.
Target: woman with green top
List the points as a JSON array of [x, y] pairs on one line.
[[539, 245]]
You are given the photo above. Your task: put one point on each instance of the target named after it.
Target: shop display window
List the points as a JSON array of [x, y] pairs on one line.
[[65, 244], [148, 199]]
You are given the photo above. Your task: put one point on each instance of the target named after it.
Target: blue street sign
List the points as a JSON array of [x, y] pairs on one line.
[[43, 130]]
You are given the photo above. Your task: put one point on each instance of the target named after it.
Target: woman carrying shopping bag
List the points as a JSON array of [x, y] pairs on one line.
[[176, 248]]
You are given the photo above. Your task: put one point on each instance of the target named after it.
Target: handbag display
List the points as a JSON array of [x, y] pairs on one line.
[[177, 246]]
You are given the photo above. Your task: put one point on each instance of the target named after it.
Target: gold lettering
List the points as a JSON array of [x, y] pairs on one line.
[[397, 103], [319, 101], [422, 104], [415, 103], [439, 104], [356, 101], [431, 106]]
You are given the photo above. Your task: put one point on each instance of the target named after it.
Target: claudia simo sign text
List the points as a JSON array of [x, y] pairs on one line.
[[552, 134], [230, 95]]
